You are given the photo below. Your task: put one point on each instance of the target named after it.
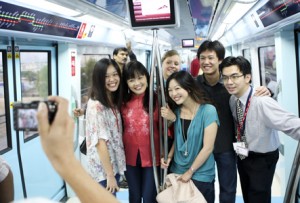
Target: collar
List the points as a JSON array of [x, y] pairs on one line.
[[134, 96], [243, 98], [203, 80]]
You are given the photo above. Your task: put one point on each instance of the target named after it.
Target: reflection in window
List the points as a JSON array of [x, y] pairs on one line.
[[87, 66], [34, 78], [3, 129], [268, 75], [247, 55], [117, 7]]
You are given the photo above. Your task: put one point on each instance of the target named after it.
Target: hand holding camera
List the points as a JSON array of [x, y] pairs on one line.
[[25, 117]]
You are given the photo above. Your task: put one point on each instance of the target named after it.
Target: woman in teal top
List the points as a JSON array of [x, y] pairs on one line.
[[195, 128]]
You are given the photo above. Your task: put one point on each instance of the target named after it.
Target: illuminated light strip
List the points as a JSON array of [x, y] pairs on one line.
[[34, 23], [7, 20]]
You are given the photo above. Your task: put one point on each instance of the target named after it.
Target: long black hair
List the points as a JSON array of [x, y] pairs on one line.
[[98, 90], [188, 83], [132, 70]]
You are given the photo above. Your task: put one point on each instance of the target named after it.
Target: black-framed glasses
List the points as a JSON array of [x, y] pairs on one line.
[[233, 77]]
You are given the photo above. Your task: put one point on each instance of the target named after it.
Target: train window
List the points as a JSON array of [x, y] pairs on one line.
[[267, 64], [34, 79], [247, 54], [5, 141], [87, 65], [117, 7]]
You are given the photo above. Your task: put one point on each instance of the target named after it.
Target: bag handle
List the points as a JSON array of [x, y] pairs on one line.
[[171, 180]]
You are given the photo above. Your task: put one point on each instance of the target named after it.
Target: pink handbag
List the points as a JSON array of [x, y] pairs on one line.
[[179, 192]]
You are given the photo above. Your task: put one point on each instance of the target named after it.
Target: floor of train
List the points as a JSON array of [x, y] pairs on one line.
[[277, 190]]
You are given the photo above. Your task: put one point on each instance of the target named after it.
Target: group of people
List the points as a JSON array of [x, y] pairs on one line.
[[206, 129], [118, 125], [204, 126], [219, 117]]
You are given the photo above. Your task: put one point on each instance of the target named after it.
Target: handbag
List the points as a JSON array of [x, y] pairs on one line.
[[179, 192], [82, 130], [83, 147]]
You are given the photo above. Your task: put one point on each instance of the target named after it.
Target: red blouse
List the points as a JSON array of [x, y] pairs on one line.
[[136, 136]]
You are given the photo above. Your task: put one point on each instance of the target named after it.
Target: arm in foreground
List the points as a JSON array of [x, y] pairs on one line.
[[57, 142]]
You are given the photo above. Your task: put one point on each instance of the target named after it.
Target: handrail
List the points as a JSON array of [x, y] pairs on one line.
[[292, 185]]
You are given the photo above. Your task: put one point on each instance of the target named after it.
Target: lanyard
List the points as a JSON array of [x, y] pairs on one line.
[[116, 115], [241, 125]]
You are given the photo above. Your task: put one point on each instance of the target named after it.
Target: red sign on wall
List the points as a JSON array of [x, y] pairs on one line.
[[81, 31], [73, 63]]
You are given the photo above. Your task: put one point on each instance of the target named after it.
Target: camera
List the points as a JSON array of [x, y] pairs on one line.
[[25, 114]]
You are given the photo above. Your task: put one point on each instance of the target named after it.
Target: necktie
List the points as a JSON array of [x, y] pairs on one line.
[[239, 111], [240, 114]]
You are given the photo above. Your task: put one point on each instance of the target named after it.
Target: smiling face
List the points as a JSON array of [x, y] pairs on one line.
[[138, 84], [112, 79], [209, 62], [177, 93], [235, 82], [170, 65]]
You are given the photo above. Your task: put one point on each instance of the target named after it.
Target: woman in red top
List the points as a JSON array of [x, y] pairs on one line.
[[136, 136]]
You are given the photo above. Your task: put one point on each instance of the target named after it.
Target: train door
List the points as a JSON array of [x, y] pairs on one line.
[[31, 74]]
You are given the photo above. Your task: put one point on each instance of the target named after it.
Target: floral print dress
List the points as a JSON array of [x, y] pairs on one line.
[[104, 123]]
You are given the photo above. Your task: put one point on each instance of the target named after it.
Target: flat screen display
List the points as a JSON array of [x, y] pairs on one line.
[[152, 13], [187, 43], [274, 11]]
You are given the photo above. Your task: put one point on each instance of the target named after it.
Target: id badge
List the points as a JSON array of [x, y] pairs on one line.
[[240, 148], [238, 144], [242, 151]]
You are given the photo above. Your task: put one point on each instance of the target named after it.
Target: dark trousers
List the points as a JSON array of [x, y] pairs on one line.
[[207, 190], [227, 175], [256, 176], [141, 183]]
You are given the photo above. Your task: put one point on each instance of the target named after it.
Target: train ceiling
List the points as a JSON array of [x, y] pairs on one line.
[[199, 19]]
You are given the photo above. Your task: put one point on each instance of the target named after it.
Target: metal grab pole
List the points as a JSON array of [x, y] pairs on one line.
[[162, 102], [293, 182], [151, 90]]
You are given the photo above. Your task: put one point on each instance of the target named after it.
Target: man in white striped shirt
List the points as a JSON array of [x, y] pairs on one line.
[[262, 118]]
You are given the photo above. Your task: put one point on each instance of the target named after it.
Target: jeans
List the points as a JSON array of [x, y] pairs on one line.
[[227, 175], [141, 183], [207, 190], [104, 182]]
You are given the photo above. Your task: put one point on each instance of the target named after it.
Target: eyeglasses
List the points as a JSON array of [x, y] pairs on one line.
[[233, 78]]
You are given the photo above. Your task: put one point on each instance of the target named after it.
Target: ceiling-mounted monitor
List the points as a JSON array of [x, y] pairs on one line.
[[148, 14], [273, 11], [187, 43]]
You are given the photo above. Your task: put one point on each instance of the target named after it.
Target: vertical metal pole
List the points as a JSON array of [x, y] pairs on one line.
[[293, 182], [151, 89], [163, 103], [156, 65]]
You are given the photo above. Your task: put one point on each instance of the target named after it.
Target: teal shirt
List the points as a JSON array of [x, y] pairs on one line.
[[205, 116]]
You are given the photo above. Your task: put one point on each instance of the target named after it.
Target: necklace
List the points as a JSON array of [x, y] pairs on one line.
[[186, 153], [185, 135]]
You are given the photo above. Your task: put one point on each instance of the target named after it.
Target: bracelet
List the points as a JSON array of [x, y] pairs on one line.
[[192, 169]]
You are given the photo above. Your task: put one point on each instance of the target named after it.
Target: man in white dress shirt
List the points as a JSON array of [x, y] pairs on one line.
[[256, 126]]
